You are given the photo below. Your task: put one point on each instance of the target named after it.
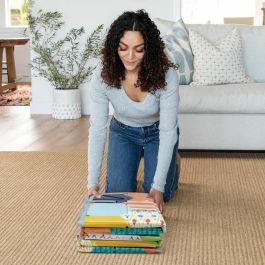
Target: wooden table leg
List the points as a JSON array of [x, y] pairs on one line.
[[11, 68], [9, 46]]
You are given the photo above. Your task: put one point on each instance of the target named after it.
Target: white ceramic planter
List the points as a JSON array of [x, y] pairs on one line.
[[66, 104]]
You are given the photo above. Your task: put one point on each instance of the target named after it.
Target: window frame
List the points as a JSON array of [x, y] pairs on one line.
[[5, 18]]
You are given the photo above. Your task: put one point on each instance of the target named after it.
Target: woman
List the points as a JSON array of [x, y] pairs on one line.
[[142, 85]]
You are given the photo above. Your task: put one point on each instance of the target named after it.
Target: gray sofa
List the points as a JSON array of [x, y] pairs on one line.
[[229, 116]]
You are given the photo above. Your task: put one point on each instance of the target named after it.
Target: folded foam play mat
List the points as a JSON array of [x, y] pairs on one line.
[[120, 223]]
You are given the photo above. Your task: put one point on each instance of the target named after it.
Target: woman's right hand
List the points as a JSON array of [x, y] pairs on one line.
[[94, 190]]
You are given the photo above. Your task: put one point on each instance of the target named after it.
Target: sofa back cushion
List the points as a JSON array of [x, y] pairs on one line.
[[253, 42]]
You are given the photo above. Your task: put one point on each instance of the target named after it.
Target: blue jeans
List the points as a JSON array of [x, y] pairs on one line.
[[125, 148]]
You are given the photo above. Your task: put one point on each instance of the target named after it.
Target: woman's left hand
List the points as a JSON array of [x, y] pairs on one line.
[[158, 198]]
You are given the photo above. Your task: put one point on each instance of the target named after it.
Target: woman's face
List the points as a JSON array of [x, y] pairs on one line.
[[131, 50]]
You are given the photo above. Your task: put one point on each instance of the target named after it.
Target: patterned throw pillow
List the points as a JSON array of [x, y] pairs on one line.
[[220, 62], [179, 51], [163, 25]]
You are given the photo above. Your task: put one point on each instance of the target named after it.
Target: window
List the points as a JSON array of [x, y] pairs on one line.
[[216, 11], [17, 11]]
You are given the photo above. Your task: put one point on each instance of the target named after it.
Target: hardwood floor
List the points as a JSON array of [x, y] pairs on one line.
[[21, 131]]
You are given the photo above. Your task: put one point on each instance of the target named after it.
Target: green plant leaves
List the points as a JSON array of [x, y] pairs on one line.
[[64, 62]]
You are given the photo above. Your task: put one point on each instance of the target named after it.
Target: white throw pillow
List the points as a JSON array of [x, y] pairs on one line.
[[220, 62], [179, 51]]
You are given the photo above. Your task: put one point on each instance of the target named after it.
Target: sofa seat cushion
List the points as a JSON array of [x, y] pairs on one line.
[[229, 98]]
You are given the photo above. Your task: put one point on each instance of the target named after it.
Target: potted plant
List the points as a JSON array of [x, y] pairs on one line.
[[62, 61]]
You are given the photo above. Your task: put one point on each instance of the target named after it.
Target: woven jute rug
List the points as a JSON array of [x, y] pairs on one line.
[[216, 217]]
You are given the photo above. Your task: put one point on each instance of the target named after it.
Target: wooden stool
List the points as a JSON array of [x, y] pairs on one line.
[[8, 45]]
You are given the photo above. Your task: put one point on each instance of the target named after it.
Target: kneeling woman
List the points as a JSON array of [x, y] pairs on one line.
[[137, 78]]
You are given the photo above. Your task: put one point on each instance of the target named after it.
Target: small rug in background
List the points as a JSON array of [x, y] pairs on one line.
[[20, 97]]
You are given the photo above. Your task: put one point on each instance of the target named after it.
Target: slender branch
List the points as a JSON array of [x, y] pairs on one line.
[[63, 62]]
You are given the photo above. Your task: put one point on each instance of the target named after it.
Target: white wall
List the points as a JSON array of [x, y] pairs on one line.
[[2, 13], [90, 14]]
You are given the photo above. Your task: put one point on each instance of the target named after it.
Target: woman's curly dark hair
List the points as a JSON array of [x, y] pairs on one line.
[[151, 76]]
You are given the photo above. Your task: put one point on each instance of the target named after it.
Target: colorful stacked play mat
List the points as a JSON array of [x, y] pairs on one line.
[[120, 223]]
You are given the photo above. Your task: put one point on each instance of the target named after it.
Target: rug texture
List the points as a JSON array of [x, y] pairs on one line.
[[20, 97], [216, 217]]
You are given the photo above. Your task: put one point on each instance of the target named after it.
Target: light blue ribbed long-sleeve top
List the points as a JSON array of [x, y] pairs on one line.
[[162, 106]]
